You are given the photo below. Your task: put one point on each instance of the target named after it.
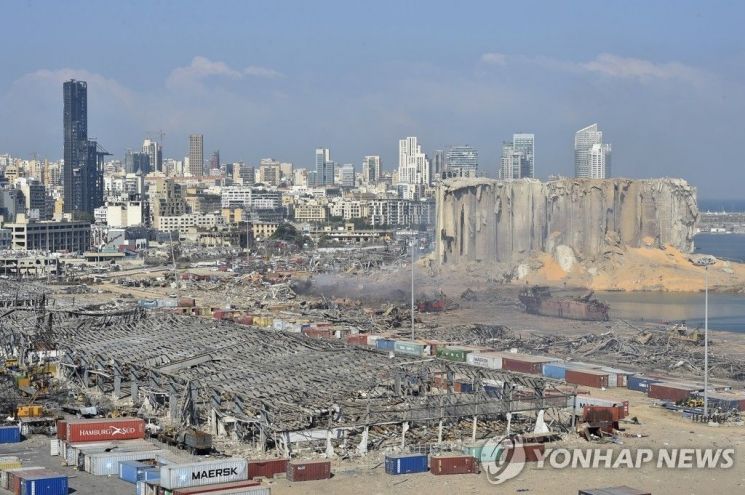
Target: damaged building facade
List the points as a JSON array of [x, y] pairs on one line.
[[504, 221]]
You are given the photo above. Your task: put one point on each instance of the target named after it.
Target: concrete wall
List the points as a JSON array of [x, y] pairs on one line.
[[491, 220]]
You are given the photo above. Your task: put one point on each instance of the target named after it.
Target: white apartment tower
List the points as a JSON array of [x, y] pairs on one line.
[[413, 165], [584, 141]]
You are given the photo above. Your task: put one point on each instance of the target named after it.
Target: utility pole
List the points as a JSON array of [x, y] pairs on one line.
[[413, 245], [706, 342]]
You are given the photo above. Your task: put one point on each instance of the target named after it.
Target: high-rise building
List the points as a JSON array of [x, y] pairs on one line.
[[346, 175], [82, 178], [413, 165], [371, 169], [462, 161], [514, 164], [196, 155], [525, 144], [135, 162], [584, 140], [599, 158], [324, 168], [439, 164], [215, 160], [155, 154]]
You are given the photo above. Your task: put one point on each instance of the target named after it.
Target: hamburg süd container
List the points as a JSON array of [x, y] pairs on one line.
[[405, 463], [203, 473], [102, 429], [308, 470]]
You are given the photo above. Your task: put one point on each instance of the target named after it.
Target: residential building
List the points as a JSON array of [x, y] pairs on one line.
[[462, 161], [439, 164], [300, 177], [270, 172], [584, 140], [599, 158], [513, 164], [346, 175], [83, 180], [196, 155], [121, 214], [371, 170], [525, 143], [154, 152], [413, 165], [235, 196], [264, 230], [12, 204], [312, 213], [215, 160], [190, 220]]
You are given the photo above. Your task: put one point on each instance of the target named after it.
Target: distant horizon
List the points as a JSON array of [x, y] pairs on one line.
[[258, 80]]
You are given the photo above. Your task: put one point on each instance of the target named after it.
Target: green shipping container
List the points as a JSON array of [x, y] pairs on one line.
[[406, 347], [457, 354], [483, 452]]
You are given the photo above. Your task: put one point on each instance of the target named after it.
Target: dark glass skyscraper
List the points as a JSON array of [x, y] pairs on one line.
[[83, 182]]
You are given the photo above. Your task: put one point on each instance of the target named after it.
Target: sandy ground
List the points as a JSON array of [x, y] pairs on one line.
[[663, 429]]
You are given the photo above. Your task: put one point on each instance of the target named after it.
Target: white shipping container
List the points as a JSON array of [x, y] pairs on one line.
[[203, 473], [249, 490], [371, 339], [54, 447], [74, 450], [107, 463], [491, 360]]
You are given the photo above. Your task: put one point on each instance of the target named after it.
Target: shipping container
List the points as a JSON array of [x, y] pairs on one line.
[[203, 473], [10, 434], [614, 490], [318, 333], [132, 471], [266, 468], [411, 348], [453, 464], [406, 463], [616, 377], [674, 392], [385, 344], [588, 378], [531, 452], [9, 462], [371, 339], [586, 400], [7, 475], [101, 429], [216, 488], [454, 353], [463, 387], [724, 401], [308, 470], [525, 363], [16, 476], [151, 474], [491, 360], [76, 452], [357, 339], [61, 429], [249, 490], [107, 463], [186, 302], [50, 484], [641, 383], [556, 371]]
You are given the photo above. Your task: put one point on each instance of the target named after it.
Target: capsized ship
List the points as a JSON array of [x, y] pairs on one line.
[[538, 301]]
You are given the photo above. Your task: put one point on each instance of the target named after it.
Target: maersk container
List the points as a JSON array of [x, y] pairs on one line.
[[491, 360], [10, 434], [385, 344], [107, 463], [406, 463], [131, 471], [44, 485], [203, 473], [556, 371], [408, 347], [641, 383]]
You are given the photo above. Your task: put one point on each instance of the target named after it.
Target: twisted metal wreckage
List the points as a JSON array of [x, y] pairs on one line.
[[262, 387]]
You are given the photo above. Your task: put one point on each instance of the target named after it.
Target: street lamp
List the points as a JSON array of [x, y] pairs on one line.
[[412, 245], [705, 261]]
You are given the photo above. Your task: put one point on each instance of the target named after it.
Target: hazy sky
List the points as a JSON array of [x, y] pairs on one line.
[[665, 80]]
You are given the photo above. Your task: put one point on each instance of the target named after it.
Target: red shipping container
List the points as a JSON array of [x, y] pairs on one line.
[[196, 490], [672, 391], [357, 339], [527, 364], [532, 451], [308, 470], [317, 333], [266, 468], [61, 429], [616, 412], [187, 302], [101, 429], [453, 464], [588, 378]]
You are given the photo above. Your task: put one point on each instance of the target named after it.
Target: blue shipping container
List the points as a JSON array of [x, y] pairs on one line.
[[130, 471], [466, 387], [408, 463], [493, 391], [150, 474], [44, 485], [10, 434], [555, 370], [385, 344], [640, 383]]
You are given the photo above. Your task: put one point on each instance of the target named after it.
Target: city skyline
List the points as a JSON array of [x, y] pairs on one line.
[[657, 91]]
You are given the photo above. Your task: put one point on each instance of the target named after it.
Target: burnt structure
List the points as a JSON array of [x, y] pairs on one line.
[[538, 301]]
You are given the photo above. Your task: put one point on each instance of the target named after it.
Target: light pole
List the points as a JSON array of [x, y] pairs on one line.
[[705, 261], [412, 244]]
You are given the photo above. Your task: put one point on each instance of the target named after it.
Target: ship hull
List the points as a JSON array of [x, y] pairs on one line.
[[566, 308]]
